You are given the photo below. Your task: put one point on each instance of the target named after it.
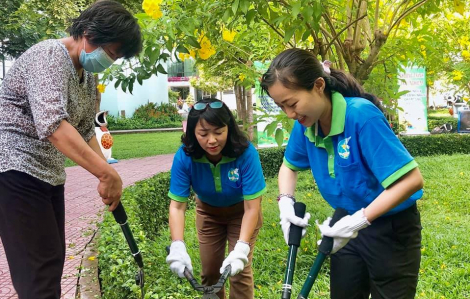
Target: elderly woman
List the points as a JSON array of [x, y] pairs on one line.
[[47, 105]]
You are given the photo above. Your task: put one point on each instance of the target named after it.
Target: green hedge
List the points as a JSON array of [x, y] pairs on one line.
[[119, 123], [426, 145], [152, 202], [434, 121]]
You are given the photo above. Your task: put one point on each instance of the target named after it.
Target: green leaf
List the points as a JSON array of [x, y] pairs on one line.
[[124, 85], [154, 56], [270, 128], [250, 16], [139, 79], [244, 5], [226, 15], [296, 9], [288, 34], [116, 85], [235, 6], [305, 35], [161, 69], [131, 86], [279, 137], [193, 42], [182, 49]]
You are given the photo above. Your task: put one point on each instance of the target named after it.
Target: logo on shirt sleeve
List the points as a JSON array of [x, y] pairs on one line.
[[233, 175], [343, 148]]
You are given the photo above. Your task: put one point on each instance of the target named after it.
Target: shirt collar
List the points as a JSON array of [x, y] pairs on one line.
[[337, 121], [204, 159]]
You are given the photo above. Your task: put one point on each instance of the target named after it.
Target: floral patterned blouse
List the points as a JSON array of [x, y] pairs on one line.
[[41, 89]]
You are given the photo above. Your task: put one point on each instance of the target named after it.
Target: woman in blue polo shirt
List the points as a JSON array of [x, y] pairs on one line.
[[358, 164], [223, 169]]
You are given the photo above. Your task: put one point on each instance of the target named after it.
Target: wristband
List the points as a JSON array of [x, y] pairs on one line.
[[285, 195]]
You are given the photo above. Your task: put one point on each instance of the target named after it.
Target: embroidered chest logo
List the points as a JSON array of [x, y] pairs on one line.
[[343, 148], [233, 175]]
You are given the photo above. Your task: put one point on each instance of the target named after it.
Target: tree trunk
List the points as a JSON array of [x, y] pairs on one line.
[[249, 106], [236, 88], [243, 104]]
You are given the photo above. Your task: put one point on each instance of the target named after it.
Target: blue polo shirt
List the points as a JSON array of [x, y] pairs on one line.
[[357, 160], [229, 182]]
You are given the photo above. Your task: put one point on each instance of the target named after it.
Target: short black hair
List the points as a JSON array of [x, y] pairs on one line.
[[106, 22], [237, 141]]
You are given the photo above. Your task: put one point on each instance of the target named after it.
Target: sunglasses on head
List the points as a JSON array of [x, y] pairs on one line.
[[213, 105]]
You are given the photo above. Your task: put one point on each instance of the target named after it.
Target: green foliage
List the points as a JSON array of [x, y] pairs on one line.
[[434, 122], [429, 145], [162, 113], [271, 160], [119, 123], [443, 144], [444, 271], [173, 96]]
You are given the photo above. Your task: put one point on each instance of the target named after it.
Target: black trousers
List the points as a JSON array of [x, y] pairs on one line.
[[383, 261], [32, 231]]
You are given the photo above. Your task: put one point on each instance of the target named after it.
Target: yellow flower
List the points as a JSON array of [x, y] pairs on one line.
[[462, 172], [192, 53], [464, 41], [446, 59], [424, 53], [207, 50], [458, 75], [466, 55], [71, 257], [241, 77], [423, 47], [310, 38], [443, 266], [183, 56], [152, 8], [454, 247], [91, 258], [101, 88], [228, 35], [309, 194], [466, 100]]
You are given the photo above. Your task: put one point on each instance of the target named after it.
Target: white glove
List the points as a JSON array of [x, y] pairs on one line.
[[178, 259], [344, 230], [287, 215], [237, 259]]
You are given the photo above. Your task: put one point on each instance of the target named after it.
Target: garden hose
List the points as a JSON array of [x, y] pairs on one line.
[[121, 217]]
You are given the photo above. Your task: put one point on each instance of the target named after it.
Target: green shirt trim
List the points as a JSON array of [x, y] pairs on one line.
[[215, 170], [256, 195], [337, 127], [399, 173], [177, 198], [290, 166]]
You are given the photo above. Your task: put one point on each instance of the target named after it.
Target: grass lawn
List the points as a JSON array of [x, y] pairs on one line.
[[127, 146], [445, 264]]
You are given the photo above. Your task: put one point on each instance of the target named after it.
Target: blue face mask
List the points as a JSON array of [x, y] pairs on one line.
[[96, 61]]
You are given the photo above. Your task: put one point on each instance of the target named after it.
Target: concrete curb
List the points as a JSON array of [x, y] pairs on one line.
[[88, 281]]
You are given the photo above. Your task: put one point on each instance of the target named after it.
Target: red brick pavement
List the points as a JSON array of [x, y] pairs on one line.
[[83, 209]]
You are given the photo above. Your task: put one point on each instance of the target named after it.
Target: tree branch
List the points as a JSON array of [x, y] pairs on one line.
[[407, 12], [342, 30], [276, 30]]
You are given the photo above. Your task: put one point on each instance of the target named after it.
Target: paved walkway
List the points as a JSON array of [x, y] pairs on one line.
[[83, 209]]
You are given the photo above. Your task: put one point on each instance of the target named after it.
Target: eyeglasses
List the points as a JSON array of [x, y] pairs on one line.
[[213, 105]]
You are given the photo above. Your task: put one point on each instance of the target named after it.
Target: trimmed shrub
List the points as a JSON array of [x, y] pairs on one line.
[[426, 145], [434, 122], [118, 123]]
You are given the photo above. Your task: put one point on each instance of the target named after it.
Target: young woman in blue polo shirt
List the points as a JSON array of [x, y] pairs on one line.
[[358, 164], [223, 169]]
